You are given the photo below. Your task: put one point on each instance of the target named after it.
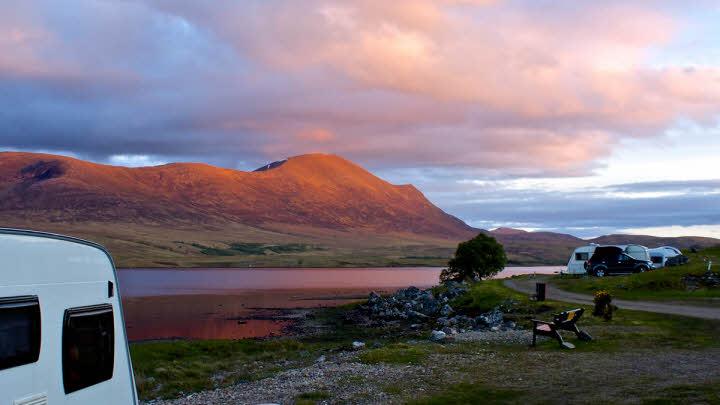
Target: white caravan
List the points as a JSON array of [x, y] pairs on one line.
[[660, 255], [636, 251], [576, 265], [62, 334]]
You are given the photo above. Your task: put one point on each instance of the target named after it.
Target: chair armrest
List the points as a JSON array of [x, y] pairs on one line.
[[544, 322]]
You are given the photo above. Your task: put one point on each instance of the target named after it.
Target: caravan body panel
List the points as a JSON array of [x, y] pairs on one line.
[[576, 264], [63, 274]]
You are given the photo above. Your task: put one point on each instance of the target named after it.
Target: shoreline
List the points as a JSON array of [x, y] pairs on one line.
[[416, 267]]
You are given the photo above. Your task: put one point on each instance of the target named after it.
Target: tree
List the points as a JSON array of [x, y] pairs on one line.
[[480, 257]]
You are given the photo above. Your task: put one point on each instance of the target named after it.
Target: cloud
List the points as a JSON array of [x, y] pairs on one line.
[[527, 88], [584, 211]]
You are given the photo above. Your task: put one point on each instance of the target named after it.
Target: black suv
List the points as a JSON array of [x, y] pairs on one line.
[[613, 260]]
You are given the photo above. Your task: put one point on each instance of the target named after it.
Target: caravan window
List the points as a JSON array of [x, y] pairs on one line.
[[657, 259], [19, 331], [88, 346], [582, 256]]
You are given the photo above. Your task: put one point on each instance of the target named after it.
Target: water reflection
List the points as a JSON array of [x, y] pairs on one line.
[[242, 303]]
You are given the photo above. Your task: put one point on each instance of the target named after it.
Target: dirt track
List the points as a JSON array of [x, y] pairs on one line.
[[553, 293]]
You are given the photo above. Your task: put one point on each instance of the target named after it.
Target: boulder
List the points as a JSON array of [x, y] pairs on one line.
[[356, 345], [438, 336]]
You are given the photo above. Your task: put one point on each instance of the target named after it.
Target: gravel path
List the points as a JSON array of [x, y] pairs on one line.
[[554, 293]]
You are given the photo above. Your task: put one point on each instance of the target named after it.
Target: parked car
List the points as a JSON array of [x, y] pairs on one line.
[[609, 260]]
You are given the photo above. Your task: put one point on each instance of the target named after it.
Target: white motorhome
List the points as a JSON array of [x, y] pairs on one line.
[[576, 265], [62, 334], [660, 255]]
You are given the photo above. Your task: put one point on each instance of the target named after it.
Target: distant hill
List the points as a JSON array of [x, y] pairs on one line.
[[683, 242], [309, 210], [549, 247]]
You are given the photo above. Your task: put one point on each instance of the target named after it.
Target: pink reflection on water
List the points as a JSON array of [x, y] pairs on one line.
[[243, 303]]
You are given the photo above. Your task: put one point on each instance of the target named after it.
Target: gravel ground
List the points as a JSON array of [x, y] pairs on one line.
[[505, 336], [345, 379], [585, 377]]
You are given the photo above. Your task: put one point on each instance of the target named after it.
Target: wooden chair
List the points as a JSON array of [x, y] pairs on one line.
[[563, 321]]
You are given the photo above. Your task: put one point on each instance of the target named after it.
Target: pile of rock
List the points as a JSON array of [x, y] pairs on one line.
[[424, 307], [414, 304], [708, 280]]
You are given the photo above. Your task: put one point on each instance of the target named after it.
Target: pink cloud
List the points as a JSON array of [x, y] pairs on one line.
[[526, 87], [316, 135]]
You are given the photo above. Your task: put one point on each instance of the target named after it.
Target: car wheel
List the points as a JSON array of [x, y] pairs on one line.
[[600, 272], [642, 269]]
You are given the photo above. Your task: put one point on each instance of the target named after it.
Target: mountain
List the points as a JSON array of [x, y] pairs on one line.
[[534, 248], [322, 191], [310, 210], [318, 198]]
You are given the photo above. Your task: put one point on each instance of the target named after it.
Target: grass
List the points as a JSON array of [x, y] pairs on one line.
[[486, 295], [468, 393], [260, 249], [166, 369], [398, 353], [628, 329], [312, 397], [661, 284], [708, 393]]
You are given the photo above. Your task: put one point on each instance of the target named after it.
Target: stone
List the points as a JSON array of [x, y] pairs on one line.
[[415, 315], [356, 345], [490, 319], [438, 336], [449, 331], [320, 359], [446, 310]]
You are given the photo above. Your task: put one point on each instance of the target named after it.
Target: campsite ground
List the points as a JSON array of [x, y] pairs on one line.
[[664, 284], [638, 357]]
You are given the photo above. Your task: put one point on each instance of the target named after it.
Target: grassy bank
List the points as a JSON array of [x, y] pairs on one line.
[[461, 372], [662, 284]]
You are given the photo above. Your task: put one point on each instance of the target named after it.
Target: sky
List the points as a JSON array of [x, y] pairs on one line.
[[583, 117]]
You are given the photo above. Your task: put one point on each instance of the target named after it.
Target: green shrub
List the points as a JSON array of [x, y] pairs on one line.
[[480, 257]]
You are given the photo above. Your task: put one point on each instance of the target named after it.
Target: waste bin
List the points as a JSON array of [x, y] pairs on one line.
[[540, 291]]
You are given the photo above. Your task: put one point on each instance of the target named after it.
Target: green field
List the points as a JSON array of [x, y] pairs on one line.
[[661, 284]]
